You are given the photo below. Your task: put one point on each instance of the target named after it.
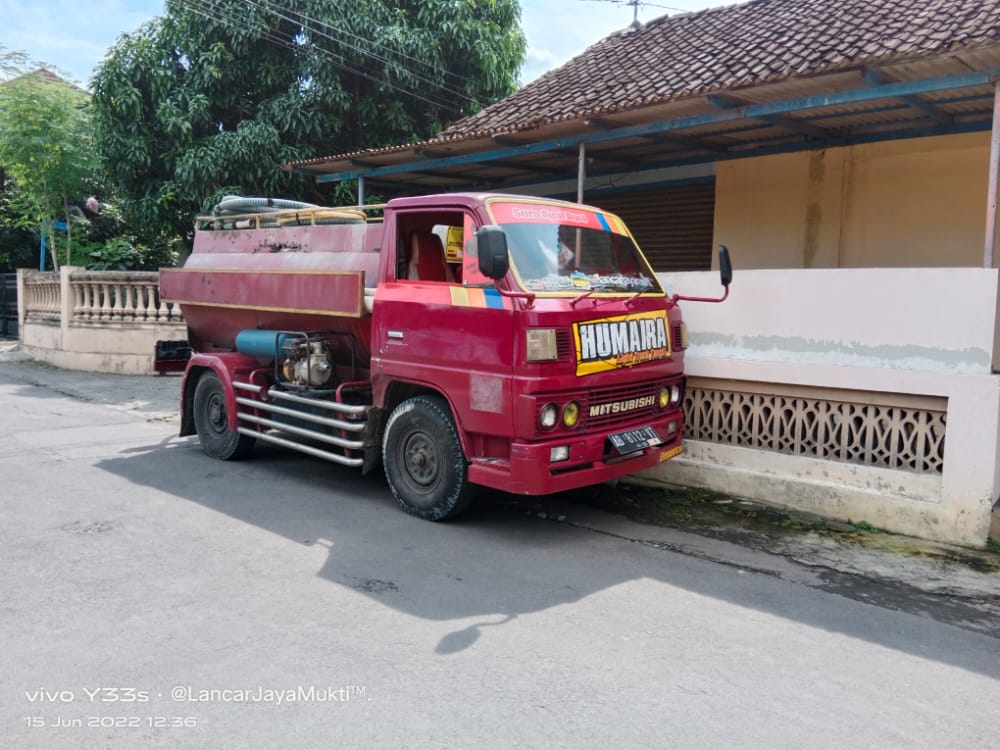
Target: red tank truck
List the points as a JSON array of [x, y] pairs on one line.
[[460, 340]]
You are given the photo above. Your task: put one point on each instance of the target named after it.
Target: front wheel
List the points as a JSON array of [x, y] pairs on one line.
[[423, 459], [211, 421]]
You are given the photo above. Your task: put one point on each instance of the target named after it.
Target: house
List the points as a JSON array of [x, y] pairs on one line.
[[847, 151]]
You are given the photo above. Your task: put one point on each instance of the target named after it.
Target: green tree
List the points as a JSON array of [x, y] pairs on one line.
[[214, 96], [46, 152], [13, 63], [18, 247]]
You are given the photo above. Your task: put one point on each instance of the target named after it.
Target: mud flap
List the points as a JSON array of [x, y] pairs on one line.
[[373, 440]]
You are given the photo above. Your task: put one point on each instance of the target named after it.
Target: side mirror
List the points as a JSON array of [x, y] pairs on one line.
[[491, 248], [725, 266], [725, 276]]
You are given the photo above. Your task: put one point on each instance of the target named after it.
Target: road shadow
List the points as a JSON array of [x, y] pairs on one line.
[[499, 561]]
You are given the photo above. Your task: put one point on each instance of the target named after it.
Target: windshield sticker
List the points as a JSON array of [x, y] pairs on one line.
[[543, 213], [599, 282], [621, 341]]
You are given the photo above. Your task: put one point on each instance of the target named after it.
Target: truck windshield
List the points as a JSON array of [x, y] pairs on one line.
[[561, 257]]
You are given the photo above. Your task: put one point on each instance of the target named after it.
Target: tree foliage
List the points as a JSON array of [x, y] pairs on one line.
[[18, 247], [214, 96], [46, 151]]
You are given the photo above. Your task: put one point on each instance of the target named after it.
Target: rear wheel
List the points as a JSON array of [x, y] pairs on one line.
[[423, 459], [211, 421]]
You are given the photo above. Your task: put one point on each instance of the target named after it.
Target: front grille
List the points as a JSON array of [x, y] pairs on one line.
[[675, 343], [618, 395], [563, 350]]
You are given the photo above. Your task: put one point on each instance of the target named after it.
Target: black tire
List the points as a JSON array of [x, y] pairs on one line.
[[211, 421], [423, 460]]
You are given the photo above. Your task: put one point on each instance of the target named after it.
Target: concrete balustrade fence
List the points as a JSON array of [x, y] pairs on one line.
[[120, 295], [43, 291], [102, 321]]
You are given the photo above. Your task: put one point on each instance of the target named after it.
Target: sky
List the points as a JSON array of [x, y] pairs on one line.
[[74, 36]]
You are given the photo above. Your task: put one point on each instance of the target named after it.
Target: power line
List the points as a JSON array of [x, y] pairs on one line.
[[373, 42], [205, 9], [368, 53], [338, 61]]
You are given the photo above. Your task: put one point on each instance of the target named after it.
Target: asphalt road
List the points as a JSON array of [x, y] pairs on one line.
[[155, 598]]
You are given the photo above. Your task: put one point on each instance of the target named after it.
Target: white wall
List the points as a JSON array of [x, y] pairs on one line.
[[911, 319], [123, 347], [928, 332]]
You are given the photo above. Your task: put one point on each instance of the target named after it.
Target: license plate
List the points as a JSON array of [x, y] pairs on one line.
[[635, 440]]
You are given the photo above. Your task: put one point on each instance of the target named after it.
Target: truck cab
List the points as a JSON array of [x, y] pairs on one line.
[[562, 370]]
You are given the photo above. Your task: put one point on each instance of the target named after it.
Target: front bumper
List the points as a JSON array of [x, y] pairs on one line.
[[591, 460]]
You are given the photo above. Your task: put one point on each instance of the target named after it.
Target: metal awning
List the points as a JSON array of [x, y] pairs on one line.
[[930, 96]]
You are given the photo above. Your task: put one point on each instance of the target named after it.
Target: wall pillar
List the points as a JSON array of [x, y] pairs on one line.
[[65, 301], [20, 304]]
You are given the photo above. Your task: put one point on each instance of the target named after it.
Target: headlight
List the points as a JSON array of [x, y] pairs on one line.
[[675, 395], [547, 416], [663, 398], [541, 344], [571, 414]]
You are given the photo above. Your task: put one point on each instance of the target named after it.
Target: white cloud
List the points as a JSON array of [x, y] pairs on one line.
[[558, 30], [73, 36]]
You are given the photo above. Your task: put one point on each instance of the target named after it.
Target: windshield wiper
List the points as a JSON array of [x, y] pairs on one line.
[[582, 297]]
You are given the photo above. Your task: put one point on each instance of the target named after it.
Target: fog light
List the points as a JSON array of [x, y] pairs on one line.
[[671, 428], [663, 399], [547, 416], [571, 414], [559, 453]]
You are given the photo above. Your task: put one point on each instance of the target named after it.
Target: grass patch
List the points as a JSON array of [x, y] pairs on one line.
[[36, 363], [743, 521], [864, 526]]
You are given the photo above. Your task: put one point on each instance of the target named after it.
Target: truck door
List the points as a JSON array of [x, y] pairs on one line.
[[439, 325]]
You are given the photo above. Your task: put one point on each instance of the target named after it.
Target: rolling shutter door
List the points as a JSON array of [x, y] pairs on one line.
[[673, 225]]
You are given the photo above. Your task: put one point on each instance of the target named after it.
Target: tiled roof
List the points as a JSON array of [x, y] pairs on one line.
[[48, 76], [762, 41]]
